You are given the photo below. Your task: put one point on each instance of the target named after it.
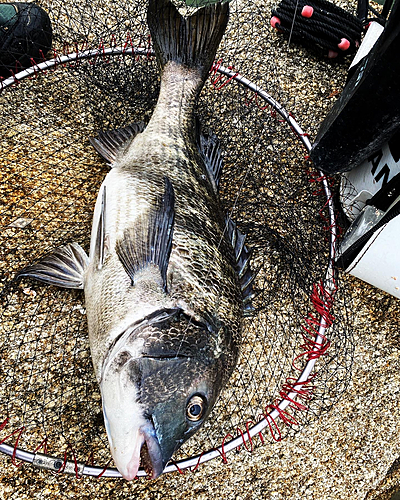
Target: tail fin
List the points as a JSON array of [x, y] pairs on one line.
[[191, 41]]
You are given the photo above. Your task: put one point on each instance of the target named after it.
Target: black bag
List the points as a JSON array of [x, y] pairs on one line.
[[25, 34]]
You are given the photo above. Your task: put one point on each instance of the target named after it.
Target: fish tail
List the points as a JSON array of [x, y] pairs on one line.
[[191, 41]]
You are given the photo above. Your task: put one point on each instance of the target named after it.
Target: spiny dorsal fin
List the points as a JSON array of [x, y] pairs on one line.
[[150, 240], [211, 153], [63, 267], [109, 143], [242, 256]]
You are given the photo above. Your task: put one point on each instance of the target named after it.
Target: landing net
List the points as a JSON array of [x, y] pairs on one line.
[[296, 352]]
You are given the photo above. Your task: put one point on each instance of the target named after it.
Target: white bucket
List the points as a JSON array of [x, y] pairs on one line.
[[378, 263], [364, 181]]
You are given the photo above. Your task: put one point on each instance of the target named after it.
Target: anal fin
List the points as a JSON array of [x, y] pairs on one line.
[[210, 151], [150, 240], [64, 267]]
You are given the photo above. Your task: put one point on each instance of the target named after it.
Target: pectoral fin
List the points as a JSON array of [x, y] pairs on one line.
[[109, 143], [150, 240], [64, 267], [100, 249]]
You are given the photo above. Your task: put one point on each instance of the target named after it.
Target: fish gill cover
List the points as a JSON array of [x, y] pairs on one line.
[[50, 178]]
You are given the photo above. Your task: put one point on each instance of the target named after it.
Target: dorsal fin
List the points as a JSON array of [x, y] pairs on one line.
[[150, 240], [109, 143], [211, 153], [242, 256]]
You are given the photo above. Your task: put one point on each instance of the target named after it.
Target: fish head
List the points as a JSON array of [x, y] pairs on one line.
[[158, 388]]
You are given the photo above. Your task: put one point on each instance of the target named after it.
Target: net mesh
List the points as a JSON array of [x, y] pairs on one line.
[[50, 177]]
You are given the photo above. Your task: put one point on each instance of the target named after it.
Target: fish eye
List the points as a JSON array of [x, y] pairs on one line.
[[196, 408]]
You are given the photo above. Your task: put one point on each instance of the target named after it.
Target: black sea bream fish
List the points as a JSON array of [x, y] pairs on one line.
[[167, 280]]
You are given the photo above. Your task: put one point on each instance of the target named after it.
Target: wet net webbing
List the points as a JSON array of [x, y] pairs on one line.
[[50, 176]]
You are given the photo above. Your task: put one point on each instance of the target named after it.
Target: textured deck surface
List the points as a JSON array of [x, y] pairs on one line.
[[350, 453]]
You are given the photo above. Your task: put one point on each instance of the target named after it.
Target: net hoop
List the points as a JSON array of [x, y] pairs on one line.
[[79, 469]]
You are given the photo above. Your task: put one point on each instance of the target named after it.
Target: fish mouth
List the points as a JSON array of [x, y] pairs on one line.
[[147, 453]]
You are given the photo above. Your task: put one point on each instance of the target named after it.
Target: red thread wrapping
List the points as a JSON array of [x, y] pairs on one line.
[[75, 460], [246, 438], [248, 423], [254, 97], [331, 227], [19, 433], [313, 348], [42, 444], [284, 415], [304, 134], [34, 67], [302, 390], [221, 78], [215, 67], [273, 425], [193, 469], [105, 468], [315, 345], [264, 107], [221, 452], [4, 424], [177, 468], [245, 441], [316, 178]]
